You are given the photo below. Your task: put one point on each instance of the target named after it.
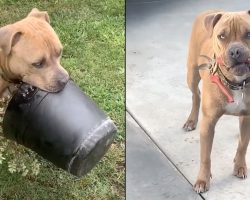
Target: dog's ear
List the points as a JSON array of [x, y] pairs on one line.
[[210, 22], [39, 14], [8, 38]]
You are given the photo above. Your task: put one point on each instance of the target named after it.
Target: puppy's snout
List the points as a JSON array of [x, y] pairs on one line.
[[62, 81]]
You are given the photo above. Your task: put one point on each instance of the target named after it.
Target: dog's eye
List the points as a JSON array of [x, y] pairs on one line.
[[222, 36], [38, 64], [248, 35]]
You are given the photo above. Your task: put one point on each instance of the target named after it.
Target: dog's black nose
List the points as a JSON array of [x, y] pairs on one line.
[[62, 81], [235, 52]]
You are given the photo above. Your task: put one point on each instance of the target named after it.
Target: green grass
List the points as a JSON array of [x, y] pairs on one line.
[[92, 33]]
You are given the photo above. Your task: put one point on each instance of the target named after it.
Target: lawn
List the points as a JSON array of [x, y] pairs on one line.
[[92, 33]]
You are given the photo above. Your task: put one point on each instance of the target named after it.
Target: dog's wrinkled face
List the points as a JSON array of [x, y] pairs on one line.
[[231, 40], [35, 52]]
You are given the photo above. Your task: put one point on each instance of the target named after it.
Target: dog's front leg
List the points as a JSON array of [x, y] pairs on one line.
[[3, 93], [240, 167], [206, 140]]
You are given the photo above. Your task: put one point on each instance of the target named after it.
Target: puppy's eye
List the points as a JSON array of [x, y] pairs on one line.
[[38, 64], [221, 37]]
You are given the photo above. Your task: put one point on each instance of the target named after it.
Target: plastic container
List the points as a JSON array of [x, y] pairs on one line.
[[66, 128]]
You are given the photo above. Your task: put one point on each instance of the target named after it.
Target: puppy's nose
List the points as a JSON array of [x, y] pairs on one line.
[[62, 81]]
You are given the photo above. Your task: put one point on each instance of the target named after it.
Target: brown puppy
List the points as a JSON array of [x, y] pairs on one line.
[[224, 36], [30, 51]]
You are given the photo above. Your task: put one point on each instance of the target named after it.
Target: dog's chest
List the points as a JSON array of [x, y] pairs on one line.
[[239, 105]]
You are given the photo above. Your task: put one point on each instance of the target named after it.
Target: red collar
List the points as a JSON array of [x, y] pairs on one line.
[[216, 79]]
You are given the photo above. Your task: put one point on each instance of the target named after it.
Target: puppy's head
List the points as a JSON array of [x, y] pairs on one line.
[[33, 51], [230, 32]]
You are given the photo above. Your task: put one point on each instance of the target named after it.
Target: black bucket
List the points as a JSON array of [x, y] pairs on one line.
[[66, 128]]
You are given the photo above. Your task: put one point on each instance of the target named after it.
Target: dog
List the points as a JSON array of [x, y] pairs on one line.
[[219, 54], [30, 52]]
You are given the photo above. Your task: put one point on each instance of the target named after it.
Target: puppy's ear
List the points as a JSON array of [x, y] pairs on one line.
[[39, 14], [8, 38], [210, 22]]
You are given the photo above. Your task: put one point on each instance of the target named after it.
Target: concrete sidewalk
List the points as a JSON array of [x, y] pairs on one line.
[[157, 34], [150, 175]]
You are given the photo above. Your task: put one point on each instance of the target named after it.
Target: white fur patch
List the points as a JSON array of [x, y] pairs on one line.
[[238, 105], [240, 78]]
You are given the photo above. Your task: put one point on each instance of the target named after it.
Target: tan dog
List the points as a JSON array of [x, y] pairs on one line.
[[31, 52], [224, 36]]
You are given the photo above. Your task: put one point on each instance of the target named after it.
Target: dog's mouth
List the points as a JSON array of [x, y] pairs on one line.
[[236, 61], [51, 88], [240, 69], [54, 89]]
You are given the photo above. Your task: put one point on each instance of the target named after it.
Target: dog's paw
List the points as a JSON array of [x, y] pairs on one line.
[[240, 172], [189, 125], [201, 186]]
